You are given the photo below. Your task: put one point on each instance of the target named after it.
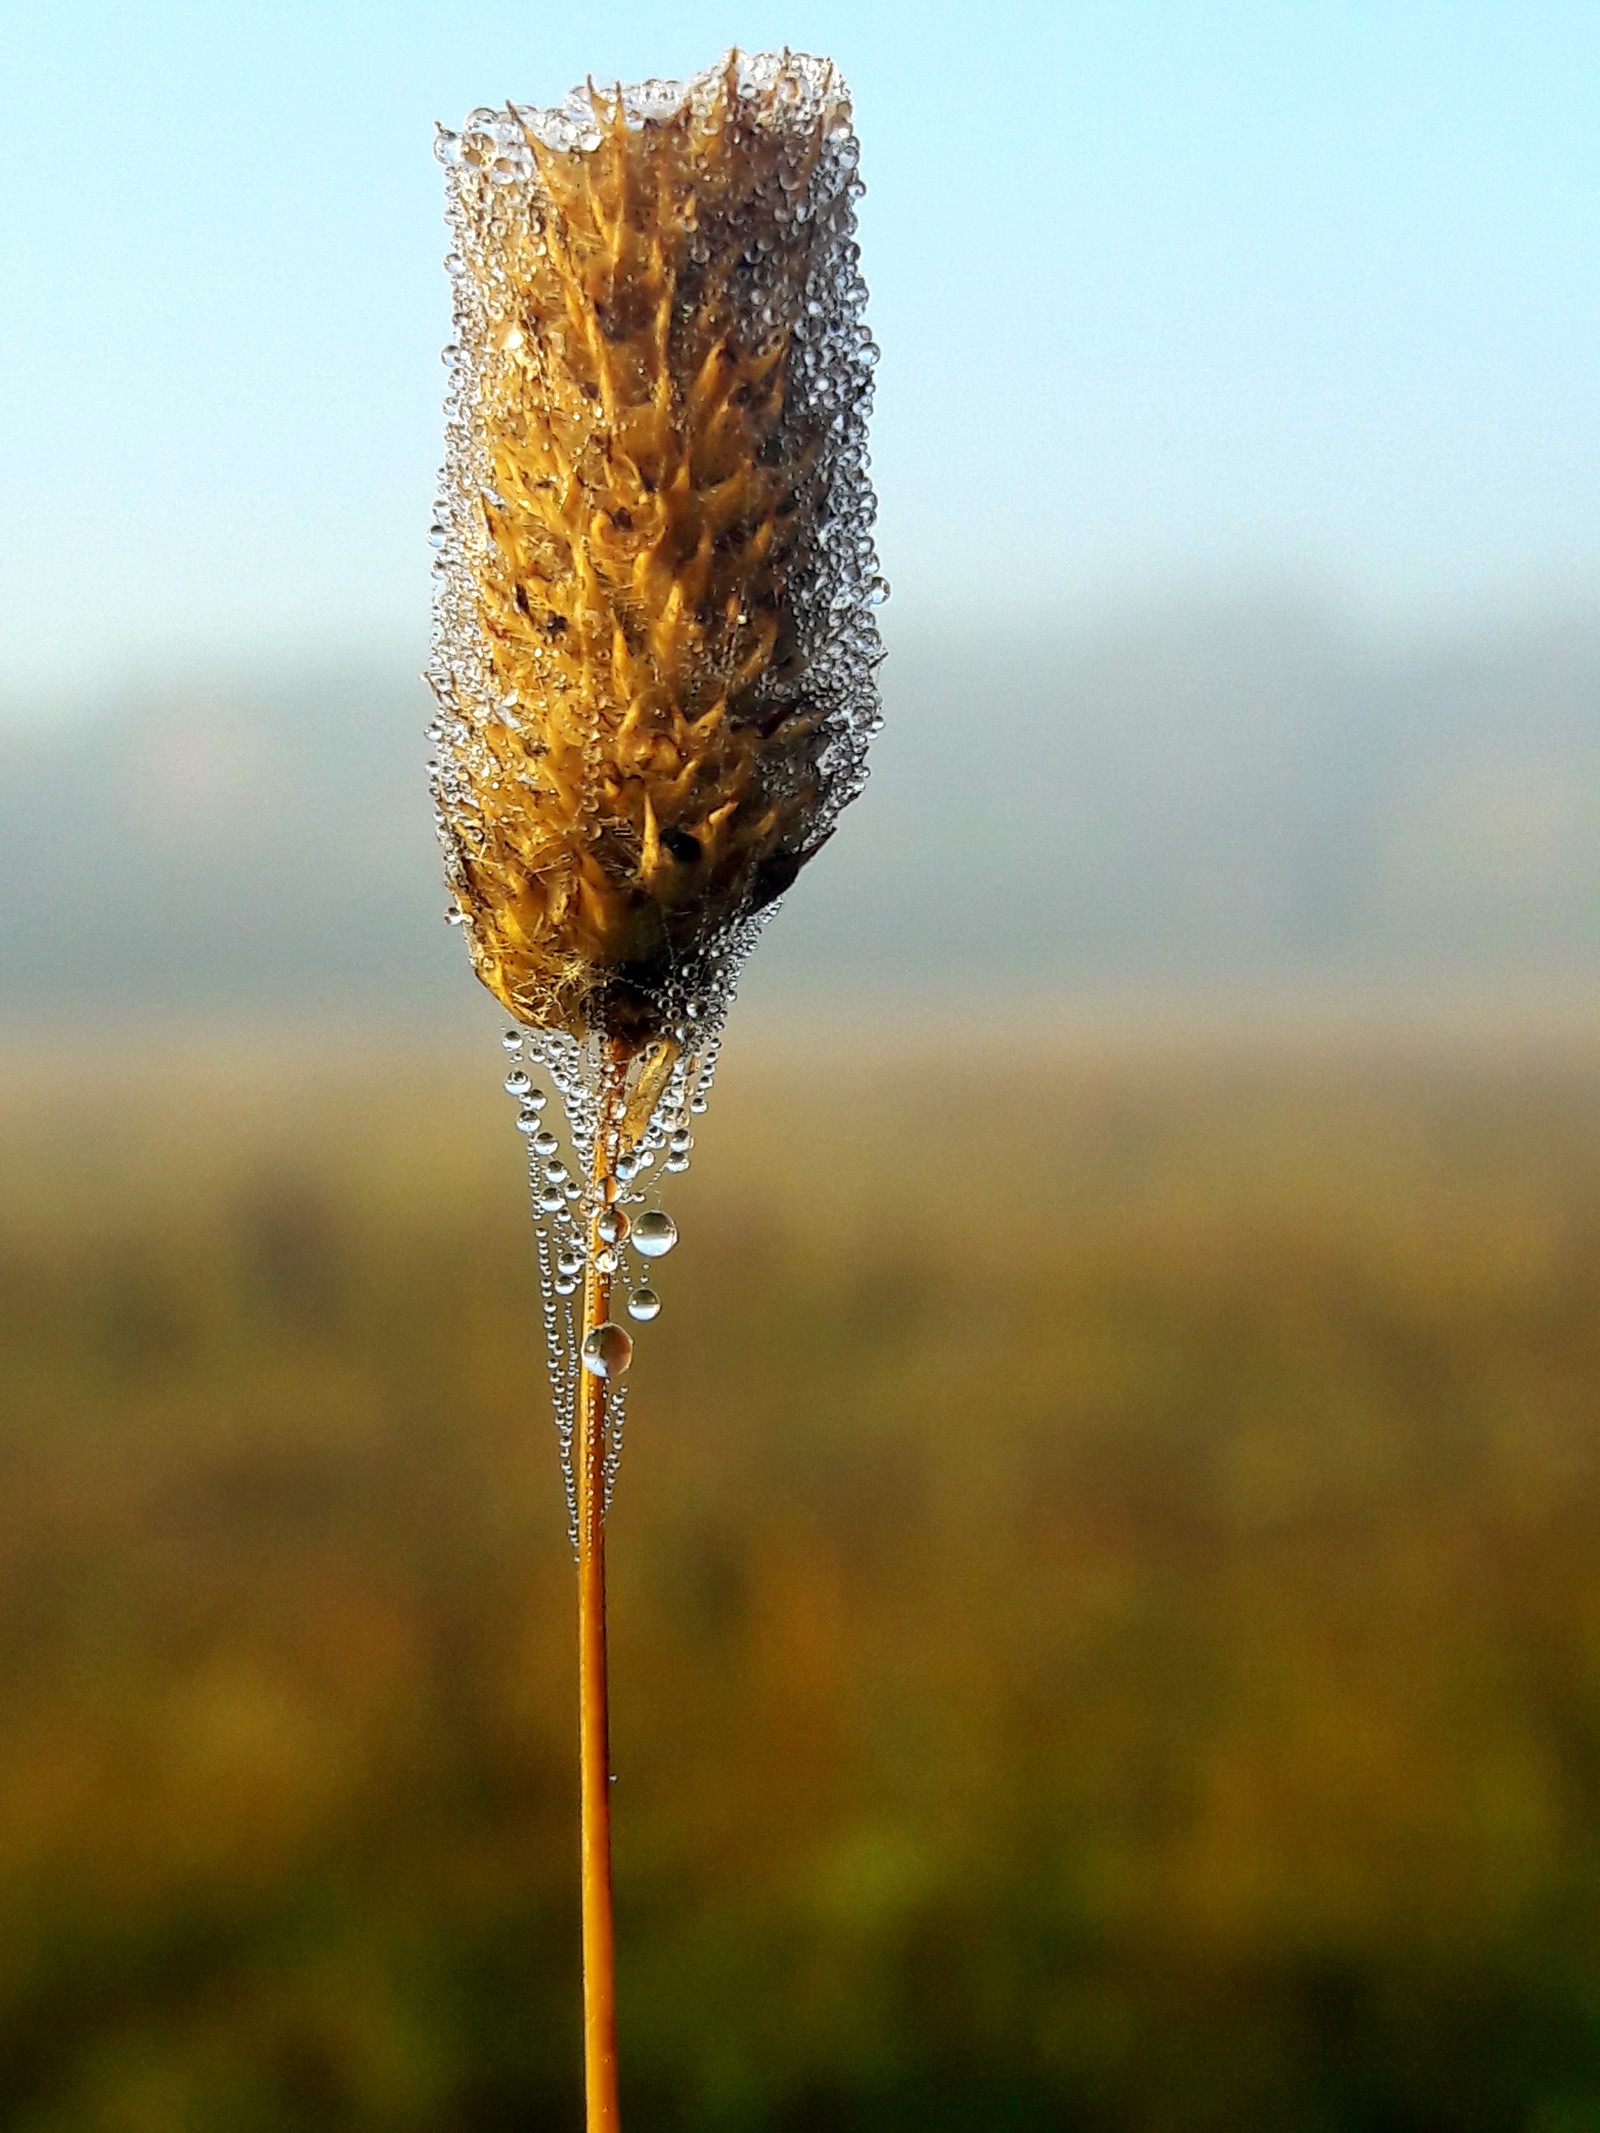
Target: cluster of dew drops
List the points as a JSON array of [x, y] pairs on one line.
[[588, 1216]]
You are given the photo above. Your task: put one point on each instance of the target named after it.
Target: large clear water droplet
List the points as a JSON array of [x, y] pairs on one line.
[[512, 1040], [654, 1234], [644, 1304], [545, 1142], [613, 1226], [517, 1084], [607, 1351]]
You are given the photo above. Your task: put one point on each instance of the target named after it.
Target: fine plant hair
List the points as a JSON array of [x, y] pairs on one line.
[[654, 657]]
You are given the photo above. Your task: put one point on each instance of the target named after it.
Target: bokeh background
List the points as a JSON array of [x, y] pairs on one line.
[[1108, 1558]]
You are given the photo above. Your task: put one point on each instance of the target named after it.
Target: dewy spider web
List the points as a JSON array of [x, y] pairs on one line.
[[622, 1214]]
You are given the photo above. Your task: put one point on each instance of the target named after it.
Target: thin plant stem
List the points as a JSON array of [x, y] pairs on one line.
[[594, 1741]]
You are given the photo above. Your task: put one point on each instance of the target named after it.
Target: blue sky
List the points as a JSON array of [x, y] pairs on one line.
[[1300, 293]]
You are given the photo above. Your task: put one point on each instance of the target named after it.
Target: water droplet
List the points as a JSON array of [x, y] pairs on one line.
[[654, 1234], [564, 1285], [644, 1304], [455, 916], [627, 1167], [556, 1172], [527, 1121], [613, 1226], [550, 1199], [682, 1140], [545, 1142], [517, 1084], [699, 1105], [605, 1260], [607, 1351], [677, 1163], [512, 1040]]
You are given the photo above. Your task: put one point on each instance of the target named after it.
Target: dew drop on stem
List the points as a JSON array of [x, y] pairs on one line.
[[607, 1351]]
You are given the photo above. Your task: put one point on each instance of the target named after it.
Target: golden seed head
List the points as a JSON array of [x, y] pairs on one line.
[[654, 628]]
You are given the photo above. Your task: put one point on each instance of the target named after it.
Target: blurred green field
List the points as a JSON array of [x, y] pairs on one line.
[[1106, 1571]]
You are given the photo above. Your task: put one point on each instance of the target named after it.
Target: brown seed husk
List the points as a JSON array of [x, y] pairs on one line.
[[644, 764]]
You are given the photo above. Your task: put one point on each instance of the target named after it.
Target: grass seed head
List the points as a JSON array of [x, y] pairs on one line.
[[654, 633]]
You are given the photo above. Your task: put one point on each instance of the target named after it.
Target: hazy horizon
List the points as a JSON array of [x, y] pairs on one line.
[[1197, 795]]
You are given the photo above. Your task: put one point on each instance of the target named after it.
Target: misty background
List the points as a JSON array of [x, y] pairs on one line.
[[1236, 439], [1210, 791]]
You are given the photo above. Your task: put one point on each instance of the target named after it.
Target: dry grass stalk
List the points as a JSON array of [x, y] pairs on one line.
[[654, 655], [594, 1715]]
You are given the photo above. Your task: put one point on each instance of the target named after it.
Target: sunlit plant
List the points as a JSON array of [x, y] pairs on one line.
[[654, 655]]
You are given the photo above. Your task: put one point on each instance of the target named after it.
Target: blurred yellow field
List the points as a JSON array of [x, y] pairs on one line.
[[1107, 1593]]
